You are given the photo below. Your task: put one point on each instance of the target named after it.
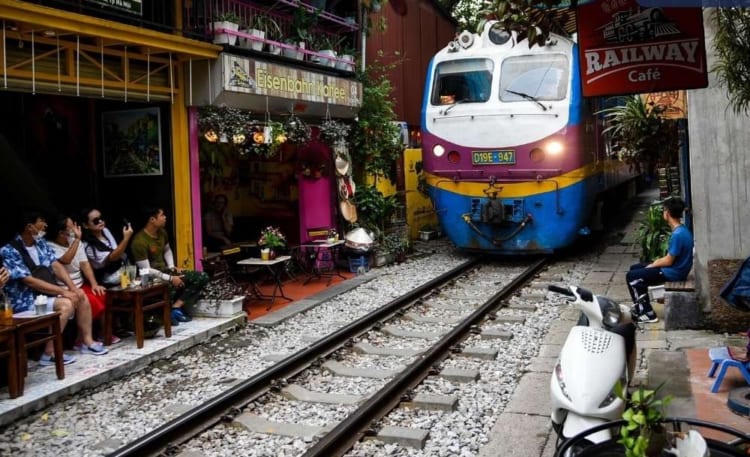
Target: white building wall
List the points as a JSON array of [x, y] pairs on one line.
[[719, 168]]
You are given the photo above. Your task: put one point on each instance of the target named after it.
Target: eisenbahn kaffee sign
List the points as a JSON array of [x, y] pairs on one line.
[[628, 49]]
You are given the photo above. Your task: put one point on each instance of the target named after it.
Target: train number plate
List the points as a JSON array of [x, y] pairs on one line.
[[498, 157]]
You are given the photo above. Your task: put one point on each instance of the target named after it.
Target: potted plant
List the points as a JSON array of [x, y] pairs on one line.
[[273, 34], [333, 131], [226, 21], [270, 240], [325, 45], [345, 59], [221, 297], [256, 29], [301, 26], [297, 131], [644, 434]]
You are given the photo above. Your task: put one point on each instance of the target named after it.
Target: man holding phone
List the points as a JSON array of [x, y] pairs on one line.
[[151, 250]]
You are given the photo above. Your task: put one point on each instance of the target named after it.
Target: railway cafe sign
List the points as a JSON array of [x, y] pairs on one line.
[[628, 49]]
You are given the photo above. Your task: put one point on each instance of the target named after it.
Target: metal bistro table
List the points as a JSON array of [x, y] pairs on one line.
[[274, 267], [324, 262]]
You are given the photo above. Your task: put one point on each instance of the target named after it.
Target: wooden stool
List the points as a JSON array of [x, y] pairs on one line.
[[8, 352], [26, 324], [136, 300]]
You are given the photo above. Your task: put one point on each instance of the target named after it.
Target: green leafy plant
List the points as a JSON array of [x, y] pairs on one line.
[[223, 119], [733, 55], [643, 434], [228, 16], [653, 234], [642, 132], [374, 210], [302, 25], [374, 137]]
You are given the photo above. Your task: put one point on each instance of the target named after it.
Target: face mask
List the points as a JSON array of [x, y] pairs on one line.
[[39, 235]]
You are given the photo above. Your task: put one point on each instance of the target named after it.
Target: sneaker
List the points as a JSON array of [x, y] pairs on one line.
[[115, 339], [96, 349], [48, 360], [180, 316], [649, 317]]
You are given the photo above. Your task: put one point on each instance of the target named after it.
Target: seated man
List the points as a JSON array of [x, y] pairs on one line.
[[675, 266], [151, 250], [30, 251]]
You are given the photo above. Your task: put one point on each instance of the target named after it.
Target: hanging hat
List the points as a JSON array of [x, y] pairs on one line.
[[348, 210], [346, 188], [342, 165]]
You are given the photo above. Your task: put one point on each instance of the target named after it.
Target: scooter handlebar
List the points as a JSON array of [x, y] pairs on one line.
[[561, 290]]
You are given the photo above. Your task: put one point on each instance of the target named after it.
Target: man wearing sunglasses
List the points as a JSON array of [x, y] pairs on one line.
[[151, 250]]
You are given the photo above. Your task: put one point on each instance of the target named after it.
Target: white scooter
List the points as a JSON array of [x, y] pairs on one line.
[[598, 352]]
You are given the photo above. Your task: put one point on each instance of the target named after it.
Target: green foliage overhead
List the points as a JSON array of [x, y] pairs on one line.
[[530, 19], [732, 45], [375, 210]]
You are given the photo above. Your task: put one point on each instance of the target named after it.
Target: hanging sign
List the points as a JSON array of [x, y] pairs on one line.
[[129, 6], [673, 103], [250, 76], [627, 49]]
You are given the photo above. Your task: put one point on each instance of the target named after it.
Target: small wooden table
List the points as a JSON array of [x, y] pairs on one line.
[[273, 266], [136, 300], [28, 322], [8, 352], [325, 254]]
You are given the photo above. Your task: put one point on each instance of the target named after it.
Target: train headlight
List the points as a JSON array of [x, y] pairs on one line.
[[554, 147], [438, 150], [536, 155]]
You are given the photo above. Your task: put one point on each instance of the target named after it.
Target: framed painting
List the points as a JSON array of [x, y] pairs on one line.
[[131, 143]]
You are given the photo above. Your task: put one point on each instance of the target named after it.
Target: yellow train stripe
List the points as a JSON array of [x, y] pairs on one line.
[[516, 189]]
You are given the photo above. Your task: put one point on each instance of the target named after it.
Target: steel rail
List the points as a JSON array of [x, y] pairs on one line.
[[165, 438], [340, 440]]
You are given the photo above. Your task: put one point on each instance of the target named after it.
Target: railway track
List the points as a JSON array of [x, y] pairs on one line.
[[388, 385]]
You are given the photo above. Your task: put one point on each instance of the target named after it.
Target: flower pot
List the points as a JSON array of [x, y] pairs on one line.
[[293, 53], [255, 45], [328, 58], [217, 308], [345, 62], [225, 38]]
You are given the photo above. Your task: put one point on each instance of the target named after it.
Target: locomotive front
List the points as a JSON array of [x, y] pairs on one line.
[[507, 162]]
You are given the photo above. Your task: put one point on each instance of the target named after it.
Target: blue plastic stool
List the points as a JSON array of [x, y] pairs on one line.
[[722, 359]]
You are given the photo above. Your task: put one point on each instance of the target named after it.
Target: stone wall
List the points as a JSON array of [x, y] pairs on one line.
[[723, 317]]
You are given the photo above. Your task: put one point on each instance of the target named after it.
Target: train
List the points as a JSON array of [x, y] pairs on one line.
[[513, 155]]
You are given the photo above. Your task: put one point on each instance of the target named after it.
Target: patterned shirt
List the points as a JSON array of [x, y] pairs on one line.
[[20, 295]]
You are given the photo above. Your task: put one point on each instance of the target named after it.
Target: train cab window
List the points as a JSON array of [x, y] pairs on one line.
[[539, 77], [462, 81]]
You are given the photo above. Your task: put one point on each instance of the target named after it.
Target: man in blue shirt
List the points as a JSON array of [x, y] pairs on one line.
[[674, 266], [23, 287]]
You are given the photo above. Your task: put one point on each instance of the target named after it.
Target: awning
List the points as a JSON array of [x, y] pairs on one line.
[[25, 17]]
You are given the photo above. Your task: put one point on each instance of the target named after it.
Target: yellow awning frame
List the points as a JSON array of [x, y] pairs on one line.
[[46, 18]]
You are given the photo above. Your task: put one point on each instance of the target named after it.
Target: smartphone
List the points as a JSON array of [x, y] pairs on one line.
[[125, 222]]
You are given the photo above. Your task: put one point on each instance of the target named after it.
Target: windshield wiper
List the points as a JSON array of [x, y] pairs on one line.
[[445, 111], [527, 97]]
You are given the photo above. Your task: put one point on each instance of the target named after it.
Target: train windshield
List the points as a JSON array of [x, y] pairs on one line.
[[462, 81], [535, 77]]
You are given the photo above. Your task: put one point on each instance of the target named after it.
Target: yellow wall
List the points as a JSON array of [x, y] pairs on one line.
[[419, 210]]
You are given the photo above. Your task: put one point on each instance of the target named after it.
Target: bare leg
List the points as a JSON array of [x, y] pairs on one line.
[[83, 317], [66, 310]]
